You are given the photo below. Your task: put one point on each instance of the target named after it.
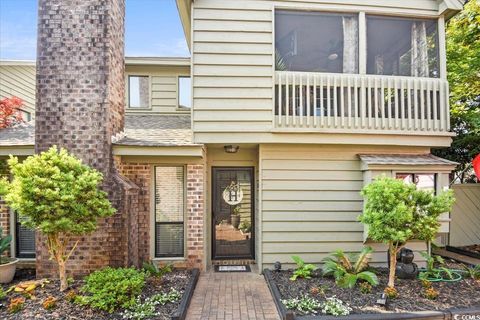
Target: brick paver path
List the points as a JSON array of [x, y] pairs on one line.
[[232, 296]]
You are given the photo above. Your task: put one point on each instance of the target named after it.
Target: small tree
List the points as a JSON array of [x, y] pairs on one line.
[[396, 212], [10, 113], [58, 196]]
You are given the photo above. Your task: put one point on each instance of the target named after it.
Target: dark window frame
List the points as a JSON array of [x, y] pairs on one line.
[[155, 253], [414, 174], [18, 253]]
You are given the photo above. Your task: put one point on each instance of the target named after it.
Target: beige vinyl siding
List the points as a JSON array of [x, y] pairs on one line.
[[310, 201], [465, 225], [19, 81], [233, 64], [163, 87]]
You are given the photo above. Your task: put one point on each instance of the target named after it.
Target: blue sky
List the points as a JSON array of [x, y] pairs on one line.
[[152, 28]]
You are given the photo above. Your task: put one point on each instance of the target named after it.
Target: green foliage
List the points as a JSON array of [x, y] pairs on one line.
[[463, 64], [473, 272], [55, 193], [365, 287], [111, 288], [245, 226], [348, 269], [306, 305], [396, 212], [335, 307], [155, 270], [3, 294], [432, 271], [4, 244], [146, 309], [303, 270]]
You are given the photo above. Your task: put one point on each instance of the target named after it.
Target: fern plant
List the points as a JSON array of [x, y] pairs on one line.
[[157, 271], [348, 269], [303, 270]]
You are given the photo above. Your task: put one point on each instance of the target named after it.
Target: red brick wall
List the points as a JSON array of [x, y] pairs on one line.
[[141, 175]]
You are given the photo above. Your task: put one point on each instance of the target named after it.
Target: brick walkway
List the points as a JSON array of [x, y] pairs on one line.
[[232, 296]]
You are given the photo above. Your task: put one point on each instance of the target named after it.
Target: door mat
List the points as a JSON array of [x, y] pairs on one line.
[[232, 268]]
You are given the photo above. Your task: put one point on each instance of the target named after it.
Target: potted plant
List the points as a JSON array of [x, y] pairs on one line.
[[7, 265], [235, 216]]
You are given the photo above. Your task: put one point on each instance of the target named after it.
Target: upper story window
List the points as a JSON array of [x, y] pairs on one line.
[[316, 41], [184, 92], [138, 92], [402, 47]]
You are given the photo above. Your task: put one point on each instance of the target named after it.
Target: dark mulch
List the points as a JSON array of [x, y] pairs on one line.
[[33, 309], [462, 294]]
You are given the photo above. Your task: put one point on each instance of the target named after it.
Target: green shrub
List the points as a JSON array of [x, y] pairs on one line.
[[348, 269], [303, 270], [473, 272], [111, 288], [3, 294], [396, 212]]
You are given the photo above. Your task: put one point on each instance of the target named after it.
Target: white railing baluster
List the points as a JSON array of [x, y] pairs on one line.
[[371, 102]]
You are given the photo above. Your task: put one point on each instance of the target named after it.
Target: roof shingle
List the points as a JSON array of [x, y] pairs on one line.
[[404, 159]]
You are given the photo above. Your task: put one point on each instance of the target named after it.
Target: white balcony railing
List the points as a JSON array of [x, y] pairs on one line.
[[307, 101]]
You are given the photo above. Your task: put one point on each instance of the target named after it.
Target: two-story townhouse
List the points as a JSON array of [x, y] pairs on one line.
[[295, 106]]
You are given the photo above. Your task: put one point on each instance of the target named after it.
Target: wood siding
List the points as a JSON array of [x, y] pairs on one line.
[[233, 64], [465, 224], [310, 201], [19, 81]]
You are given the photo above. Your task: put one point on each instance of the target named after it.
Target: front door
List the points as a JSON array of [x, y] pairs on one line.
[[232, 213]]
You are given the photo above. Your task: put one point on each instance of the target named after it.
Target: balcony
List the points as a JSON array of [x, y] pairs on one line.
[[330, 102]]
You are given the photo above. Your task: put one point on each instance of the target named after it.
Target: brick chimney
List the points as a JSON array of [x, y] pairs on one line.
[[80, 106]]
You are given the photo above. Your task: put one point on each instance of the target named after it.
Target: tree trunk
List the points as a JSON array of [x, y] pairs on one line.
[[393, 266], [63, 275]]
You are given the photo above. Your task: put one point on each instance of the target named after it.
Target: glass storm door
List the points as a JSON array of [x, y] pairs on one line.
[[232, 213]]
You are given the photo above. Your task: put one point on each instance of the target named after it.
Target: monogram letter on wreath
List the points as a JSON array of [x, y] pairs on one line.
[[233, 194]]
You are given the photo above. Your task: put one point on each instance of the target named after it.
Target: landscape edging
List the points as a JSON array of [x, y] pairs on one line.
[[181, 311], [419, 315]]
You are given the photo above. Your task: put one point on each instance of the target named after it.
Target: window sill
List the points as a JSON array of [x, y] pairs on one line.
[[180, 259]]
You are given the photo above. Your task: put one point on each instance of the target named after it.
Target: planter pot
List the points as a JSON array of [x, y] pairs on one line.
[[7, 271], [235, 220]]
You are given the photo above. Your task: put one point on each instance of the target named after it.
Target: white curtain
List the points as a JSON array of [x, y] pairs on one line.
[[419, 49], [350, 45]]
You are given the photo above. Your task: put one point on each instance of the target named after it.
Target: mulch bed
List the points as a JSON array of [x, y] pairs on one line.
[[462, 294], [33, 308]]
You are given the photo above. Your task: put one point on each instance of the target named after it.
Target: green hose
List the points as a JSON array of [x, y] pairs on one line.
[[456, 274]]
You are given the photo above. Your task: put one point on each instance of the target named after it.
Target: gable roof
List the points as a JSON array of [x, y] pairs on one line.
[[404, 160]]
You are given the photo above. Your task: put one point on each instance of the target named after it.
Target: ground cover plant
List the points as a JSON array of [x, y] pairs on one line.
[[93, 298]]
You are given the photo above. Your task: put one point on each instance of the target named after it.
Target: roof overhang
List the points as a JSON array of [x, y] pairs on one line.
[[164, 151], [449, 8], [406, 162], [24, 150], [185, 12]]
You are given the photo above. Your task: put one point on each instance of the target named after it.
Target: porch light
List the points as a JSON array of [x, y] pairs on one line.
[[231, 148]]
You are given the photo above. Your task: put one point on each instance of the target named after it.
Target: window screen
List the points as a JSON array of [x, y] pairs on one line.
[[316, 41], [169, 211], [138, 92], [403, 47]]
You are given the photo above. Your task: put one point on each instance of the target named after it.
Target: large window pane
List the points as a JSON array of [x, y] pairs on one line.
[[25, 240], [316, 41], [184, 92], [169, 211], [404, 47], [139, 92], [423, 181]]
